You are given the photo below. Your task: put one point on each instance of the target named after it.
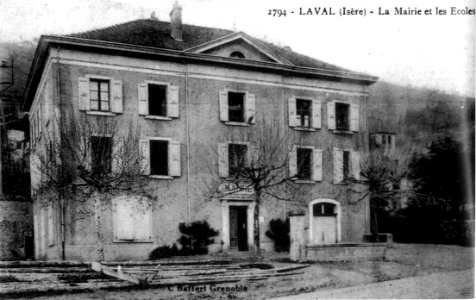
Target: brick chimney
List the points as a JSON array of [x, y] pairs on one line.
[[176, 22]]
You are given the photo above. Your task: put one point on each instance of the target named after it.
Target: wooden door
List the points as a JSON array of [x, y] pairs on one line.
[[238, 228]]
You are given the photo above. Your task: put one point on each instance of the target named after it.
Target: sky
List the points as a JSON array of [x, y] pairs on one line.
[[433, 51]]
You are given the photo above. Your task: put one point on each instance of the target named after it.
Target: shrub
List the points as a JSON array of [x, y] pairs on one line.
[[279, 233], [164, 252], [196, 236]]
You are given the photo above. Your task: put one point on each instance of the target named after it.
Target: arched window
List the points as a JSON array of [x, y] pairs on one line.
[[237, 54]]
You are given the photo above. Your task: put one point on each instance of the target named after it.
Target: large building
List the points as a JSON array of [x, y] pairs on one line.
[[193, 91]]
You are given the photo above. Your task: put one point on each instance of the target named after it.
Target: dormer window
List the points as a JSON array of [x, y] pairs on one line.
[[237, 54]]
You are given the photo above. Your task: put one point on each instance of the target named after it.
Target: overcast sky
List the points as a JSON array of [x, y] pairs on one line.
[[429, 51]]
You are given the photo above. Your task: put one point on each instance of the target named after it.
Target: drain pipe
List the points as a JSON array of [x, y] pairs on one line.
[[187, 132]]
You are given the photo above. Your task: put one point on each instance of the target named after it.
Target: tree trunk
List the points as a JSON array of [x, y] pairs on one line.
[[256, 224], [97, 214], [374, 220]]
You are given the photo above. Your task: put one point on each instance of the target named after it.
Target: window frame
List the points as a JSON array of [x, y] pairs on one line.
[[347, 104], [165, 139], [245, 156], [100, 136], [243, 108], [301, 117], [99, 80], [165, 100], [166, 157], [310, 159]]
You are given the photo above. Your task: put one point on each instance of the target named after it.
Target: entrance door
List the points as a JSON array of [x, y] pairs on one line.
[[238, 228], [324, 224]]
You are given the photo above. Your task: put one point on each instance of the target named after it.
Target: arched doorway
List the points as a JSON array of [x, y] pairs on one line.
[[324, 222]]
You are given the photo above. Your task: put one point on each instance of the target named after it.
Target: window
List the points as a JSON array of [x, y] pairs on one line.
[[132, 218], [237, 54], [99, 95], [157, 100], [304, 156], [236, 158], [236, 106], [342, 116], [346, 164], [101, 150], [159, 157], [324, 209], [303, 112]]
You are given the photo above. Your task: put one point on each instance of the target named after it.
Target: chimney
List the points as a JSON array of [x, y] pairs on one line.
[[176, 22]]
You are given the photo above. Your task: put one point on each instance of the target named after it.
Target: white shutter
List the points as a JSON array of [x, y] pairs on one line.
[[392, 142], [354, 117], [293, 162], [316, 114], [292, 112], [317, 165], [331, 115], [51, 226], [378, 139], [83, 93], [173, 101], [223, 99], [145, 156], [338, 165], [142, 220], [250, 108], [356, 164], [117, 102], [117, 155], [143, 95], [124, 221], [174, 158], [254, 156], [223, 159]]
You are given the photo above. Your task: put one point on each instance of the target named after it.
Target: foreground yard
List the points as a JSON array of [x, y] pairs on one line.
[[402, 261]]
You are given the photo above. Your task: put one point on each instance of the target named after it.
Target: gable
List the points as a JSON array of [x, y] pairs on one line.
[[240, 46]]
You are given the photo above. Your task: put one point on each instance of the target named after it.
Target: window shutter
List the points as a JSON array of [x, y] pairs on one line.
[[223, 98], [392, 142], [354, 117], [293, 162], [124, 222], [83, 150], [378, 139], [117, 103], [83, 93], [331, 115], [316, 114], [51, 226], [223, 159], [173, 101], [143, 95], [250, 108], [356, 164], [292, 112], [142, 222], [254, 156], [117, 156], [145, 156], [338, 165], [174, 158], [317, 165]]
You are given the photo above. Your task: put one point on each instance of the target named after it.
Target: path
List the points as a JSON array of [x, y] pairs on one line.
[[455, 284]]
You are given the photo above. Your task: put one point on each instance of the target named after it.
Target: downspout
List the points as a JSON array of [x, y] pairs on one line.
[[187, 132], [62, 203]]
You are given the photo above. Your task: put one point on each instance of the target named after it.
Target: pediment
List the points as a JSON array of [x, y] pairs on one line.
[[238, 44]]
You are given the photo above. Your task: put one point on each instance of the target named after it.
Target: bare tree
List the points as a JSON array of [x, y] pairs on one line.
[[382, 174], [89, 158], [257, 163]]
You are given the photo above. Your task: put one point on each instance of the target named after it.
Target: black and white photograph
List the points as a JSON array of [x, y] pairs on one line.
[[225, 149]]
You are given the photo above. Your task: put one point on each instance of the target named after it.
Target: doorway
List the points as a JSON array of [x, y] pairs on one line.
[[238, 228], [324, 221]]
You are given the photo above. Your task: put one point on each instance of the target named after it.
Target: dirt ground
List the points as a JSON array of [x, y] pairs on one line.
[[402, 261]]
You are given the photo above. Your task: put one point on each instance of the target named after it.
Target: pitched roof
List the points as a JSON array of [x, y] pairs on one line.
[[153, 33]]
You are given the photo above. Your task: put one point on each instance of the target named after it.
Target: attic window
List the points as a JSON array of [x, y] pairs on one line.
[[237, 54]]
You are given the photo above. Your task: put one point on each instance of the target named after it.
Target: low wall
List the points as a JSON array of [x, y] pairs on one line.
[[345, 252]]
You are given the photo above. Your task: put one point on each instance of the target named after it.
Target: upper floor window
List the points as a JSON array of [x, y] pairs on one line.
[[304, 163], [236, 107], [160, 157], [101, 154], [100, 95], [342, 116], [303, 112], [99, 92], [346, 165], [158, 100], [236, 158], [237, 54]]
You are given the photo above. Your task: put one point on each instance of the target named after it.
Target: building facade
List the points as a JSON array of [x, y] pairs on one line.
[[193, 91]]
